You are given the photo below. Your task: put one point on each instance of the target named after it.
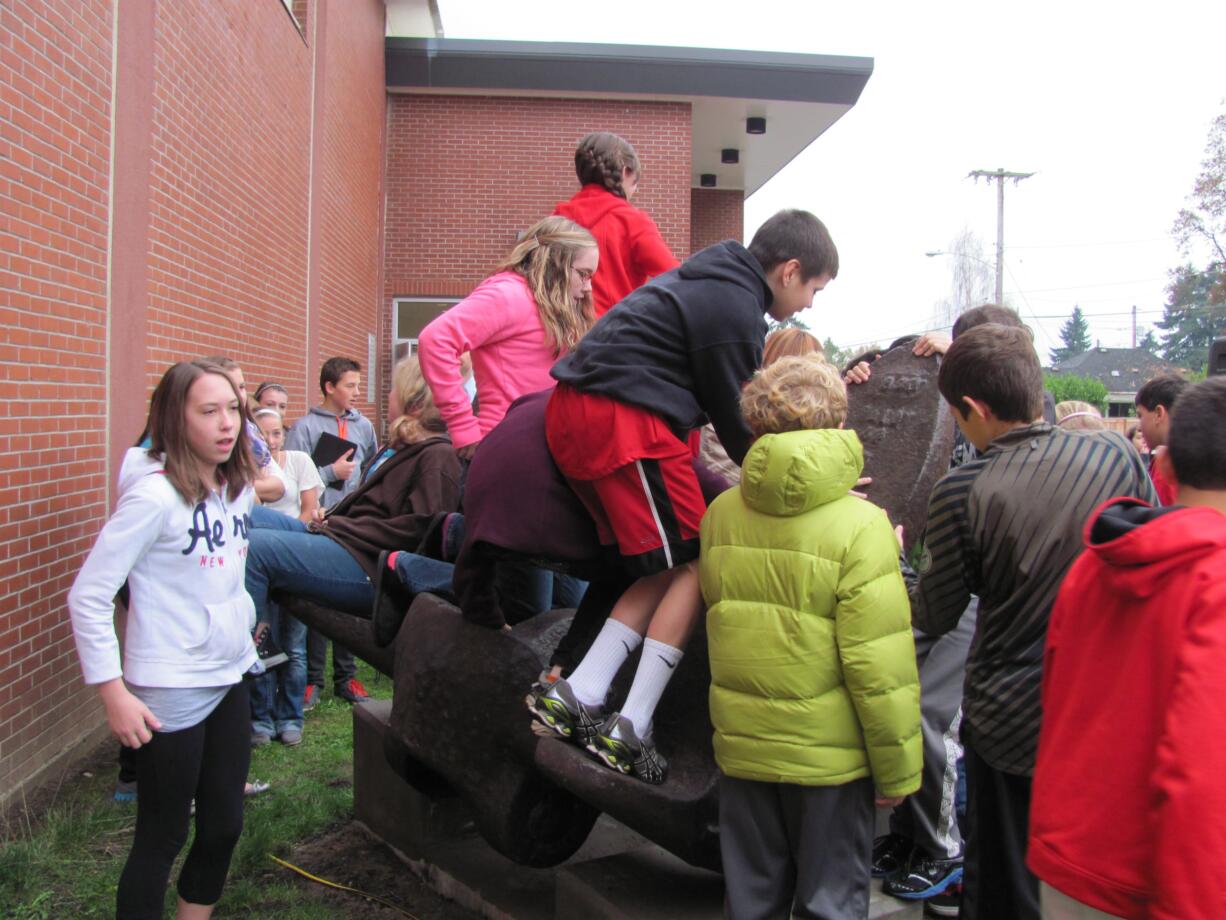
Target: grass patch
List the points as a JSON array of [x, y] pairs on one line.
[[65, 860]]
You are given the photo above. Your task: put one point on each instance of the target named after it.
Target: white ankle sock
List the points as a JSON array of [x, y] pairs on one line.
[[656, 668], [592, 679]]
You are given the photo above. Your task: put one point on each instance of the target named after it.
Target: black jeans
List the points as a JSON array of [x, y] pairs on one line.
[[207, 762], [997, 885], [343, 665]]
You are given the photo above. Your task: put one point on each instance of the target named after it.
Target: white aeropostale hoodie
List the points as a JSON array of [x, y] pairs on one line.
[[190, 616]]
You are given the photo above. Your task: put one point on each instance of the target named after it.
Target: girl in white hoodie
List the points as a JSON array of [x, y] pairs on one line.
[[179, 538]]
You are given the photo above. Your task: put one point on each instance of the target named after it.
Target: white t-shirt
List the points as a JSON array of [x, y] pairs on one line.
[[298, 472]]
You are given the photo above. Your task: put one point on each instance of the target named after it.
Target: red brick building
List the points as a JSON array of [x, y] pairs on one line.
[[280, 181]]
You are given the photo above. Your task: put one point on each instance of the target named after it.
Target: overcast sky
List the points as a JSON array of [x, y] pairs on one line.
[[1109, 104]]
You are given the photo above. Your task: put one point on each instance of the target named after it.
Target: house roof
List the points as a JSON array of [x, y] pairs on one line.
[[1121, 370], [799, 95]]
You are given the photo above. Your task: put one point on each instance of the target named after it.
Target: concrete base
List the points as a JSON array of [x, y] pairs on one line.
[[616, 875]]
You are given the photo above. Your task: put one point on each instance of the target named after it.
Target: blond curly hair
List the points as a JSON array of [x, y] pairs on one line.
[[794, 394]]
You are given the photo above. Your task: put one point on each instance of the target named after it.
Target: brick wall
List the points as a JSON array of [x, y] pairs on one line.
[[465, 174], [55, 113], [212, 252], [348, 185], [715, 215]]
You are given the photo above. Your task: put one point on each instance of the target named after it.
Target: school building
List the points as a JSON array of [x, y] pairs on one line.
[[280, 181]]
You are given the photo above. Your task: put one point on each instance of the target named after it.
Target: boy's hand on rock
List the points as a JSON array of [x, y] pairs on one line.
[[858, 374], [861, 482], [931, 343], [898, 534]]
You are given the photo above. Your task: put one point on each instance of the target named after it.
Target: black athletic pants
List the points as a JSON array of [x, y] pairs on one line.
[[207, 762], [997, 885]]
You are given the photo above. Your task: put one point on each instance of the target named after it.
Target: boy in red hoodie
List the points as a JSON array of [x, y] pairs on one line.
[[1128, 812]]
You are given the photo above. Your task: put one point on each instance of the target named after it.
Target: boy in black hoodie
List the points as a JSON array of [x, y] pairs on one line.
[[650, 373]]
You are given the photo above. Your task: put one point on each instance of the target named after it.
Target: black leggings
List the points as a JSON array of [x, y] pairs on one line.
[[207, 762]]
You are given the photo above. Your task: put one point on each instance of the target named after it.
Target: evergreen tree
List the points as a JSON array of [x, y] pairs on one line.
[[1075, 334], [1190, 318], [1149, 342]]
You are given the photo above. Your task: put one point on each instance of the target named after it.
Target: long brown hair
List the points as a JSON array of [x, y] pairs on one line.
[[545, 257], [167, 429], [600, 159], [419, 418]]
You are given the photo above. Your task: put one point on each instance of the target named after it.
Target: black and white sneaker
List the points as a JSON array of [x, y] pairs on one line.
[[270, 653], [620, 748], [924, 878]]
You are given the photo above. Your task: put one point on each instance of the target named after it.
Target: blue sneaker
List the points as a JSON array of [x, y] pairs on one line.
[[125, 791], [925, 878]]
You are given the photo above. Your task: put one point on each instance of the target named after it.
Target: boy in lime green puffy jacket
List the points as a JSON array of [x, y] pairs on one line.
[[814, 690]]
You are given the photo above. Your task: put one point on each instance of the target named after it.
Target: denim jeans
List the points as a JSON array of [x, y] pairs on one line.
[[276, 695], [288, 556], [421, 573], [525, 590]]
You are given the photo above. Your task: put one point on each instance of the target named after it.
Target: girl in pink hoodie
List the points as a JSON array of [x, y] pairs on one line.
[[516, 324]]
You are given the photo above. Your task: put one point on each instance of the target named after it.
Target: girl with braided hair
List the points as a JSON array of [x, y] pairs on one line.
[[631, 249], [516, 324]]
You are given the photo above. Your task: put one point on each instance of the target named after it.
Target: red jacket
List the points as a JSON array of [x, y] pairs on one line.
[[1128, 810], [632, 252]]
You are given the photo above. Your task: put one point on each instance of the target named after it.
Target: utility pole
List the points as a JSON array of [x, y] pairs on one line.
[[999, 176], [1134, 325]]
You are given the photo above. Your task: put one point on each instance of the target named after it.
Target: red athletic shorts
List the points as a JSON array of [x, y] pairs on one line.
[[634, 475]]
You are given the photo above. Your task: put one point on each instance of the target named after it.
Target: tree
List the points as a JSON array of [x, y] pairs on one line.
[[973, 281], [1202, 225], [1190, 318], [792, 321], [1149, 341], [1075, 334], [834, 354], [1070, 386]]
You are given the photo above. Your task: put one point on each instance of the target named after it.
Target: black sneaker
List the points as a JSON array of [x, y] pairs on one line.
[[925, 878], [270, 653], [392, 601], [891, 854], [946, 904], [620, 748]]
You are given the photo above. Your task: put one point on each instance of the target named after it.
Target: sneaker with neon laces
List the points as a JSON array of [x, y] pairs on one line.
[[555, 706], [924, 878], [620, 748], [891, 854], [310, 697], [351, 691]]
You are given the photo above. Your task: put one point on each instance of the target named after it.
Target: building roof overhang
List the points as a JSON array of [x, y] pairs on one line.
[[799, 95]]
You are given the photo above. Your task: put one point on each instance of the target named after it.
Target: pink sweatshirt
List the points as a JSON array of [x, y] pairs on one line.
[[500, 325]]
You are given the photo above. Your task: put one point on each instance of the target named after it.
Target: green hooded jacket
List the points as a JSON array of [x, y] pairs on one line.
[[813, 675]]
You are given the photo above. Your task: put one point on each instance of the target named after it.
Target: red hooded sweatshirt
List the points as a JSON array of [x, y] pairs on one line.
[[1128, 808], [632, 252]]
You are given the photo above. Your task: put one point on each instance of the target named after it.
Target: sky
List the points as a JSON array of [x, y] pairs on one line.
[[1108, 104]]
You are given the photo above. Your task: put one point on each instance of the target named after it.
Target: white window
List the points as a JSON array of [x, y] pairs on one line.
[[410, 315]]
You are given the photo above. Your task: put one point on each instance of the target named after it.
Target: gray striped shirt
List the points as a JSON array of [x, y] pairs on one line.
[[1006, 527]]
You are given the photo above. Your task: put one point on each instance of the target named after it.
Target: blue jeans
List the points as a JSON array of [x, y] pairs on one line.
[[421, 573], [276, 695], [526, 590]]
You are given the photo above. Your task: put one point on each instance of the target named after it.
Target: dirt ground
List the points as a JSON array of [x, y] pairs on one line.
[[352, 856]]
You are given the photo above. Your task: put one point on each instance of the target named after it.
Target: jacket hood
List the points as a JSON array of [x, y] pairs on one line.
[[1144, 544], [348, 415], [794, 472], [590, 205], [136, 464], [728, 262]]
